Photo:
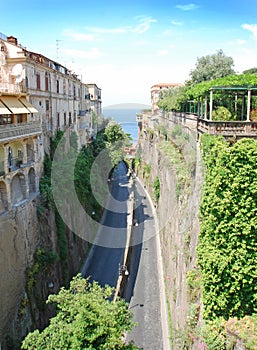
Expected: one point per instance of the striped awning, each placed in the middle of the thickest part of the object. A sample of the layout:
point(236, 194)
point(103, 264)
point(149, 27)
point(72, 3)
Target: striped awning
point(28, 105)
point(3, 109)
point(14, 104)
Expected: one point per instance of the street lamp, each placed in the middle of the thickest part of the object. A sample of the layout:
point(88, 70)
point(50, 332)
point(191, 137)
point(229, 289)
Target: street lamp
point(123, 270)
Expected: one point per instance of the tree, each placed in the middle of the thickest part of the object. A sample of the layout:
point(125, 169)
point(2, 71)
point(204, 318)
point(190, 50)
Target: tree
point(86, 319)
point(250, 71)
point(211, 67)
point(172, 98)
point(116, 140)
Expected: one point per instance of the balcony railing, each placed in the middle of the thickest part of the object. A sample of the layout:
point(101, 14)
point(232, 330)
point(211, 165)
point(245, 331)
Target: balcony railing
point(10, 88)
point(14, 164)
point(2, 170)
point(15, 131)
point(228, 128)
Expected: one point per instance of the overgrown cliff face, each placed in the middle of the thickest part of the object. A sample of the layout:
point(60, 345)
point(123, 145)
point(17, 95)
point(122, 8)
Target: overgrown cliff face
point(44, 241)
point(20, 235)
point(31, 268)
point(173, 158)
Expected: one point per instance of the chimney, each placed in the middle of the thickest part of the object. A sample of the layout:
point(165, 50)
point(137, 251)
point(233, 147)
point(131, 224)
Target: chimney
point(12, 40)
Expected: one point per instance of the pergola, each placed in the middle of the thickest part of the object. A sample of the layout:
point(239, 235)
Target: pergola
point(245, 90)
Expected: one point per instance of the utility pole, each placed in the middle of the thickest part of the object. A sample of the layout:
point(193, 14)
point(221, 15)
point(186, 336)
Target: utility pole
point(57, 48)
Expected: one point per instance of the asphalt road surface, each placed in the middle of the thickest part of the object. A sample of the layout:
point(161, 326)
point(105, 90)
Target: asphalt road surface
point(103, 265)
point(143, 288)
point(143, 285)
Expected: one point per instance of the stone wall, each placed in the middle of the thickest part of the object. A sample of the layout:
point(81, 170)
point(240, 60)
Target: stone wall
point(177, 209)
point(19, 238)
point(25, 286)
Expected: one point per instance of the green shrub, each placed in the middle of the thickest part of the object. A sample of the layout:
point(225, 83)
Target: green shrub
point(156, 188)
point(227, 246)
point(222, 114)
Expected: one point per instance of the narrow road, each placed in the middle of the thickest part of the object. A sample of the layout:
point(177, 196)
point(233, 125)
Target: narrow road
point(103, 264)
point(144, 290)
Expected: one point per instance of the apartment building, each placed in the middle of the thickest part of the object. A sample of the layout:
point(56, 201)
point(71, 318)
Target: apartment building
point(156, 91)
point(95, 98)
point(38, 96)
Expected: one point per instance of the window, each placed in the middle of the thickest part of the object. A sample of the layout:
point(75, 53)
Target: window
point(58, 121)
point(38, 81)
point(47, 82)
point(5, 119)
point(64, 87)
point(20, 154)
point(70, 121)
point(57, 86)
point(64, 117)
point(47, 105)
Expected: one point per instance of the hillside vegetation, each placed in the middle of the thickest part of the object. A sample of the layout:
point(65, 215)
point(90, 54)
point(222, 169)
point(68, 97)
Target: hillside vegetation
point(227, 249)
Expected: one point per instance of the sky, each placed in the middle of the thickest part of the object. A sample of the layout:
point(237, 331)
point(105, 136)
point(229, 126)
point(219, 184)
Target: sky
point(125, 47)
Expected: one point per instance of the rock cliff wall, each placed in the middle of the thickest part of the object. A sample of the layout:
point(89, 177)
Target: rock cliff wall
point(20, 235)
point(175, 161)
point(32, 268)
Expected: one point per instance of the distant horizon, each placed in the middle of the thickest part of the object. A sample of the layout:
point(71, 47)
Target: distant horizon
point(130, 105)
point(124, 112)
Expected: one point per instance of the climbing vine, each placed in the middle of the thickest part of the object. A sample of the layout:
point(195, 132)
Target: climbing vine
point(227, 249)
point(157, 188)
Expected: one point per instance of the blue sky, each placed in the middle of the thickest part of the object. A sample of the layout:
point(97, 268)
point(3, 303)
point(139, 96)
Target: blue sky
point(126, 47)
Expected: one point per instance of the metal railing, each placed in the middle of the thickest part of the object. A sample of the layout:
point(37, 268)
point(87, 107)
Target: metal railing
point(14, 131)
point(14, 164)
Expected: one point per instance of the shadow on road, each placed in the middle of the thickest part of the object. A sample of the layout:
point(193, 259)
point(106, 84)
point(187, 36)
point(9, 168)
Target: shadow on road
point(136, 246)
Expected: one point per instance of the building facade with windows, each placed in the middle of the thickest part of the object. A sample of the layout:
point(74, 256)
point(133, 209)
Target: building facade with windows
point(95, 98)
point(38, 97)
point(156, 91)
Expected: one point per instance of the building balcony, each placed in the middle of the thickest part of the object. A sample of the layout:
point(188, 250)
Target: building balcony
point(10, 88)
point(2, 168)
point(238, 129)
point(10, 132)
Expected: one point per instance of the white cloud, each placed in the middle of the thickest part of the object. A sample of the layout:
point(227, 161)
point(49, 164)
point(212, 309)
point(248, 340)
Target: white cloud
point(91, 53)
point(188, 7)
point(176, 23)
point(144, 25)
point(78, 36)
point(162, 52)
point(140, 43)
point(236, 42)
point(169, 32)
point(101, 30)
point(252, 28)
point(241, 63)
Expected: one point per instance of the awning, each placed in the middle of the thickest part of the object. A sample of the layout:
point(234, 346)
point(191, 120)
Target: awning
point(28, 105)
point(14, 104)
point(3, 109)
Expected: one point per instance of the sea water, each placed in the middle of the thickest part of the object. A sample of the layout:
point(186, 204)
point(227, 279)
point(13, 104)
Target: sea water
point(126, 118)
